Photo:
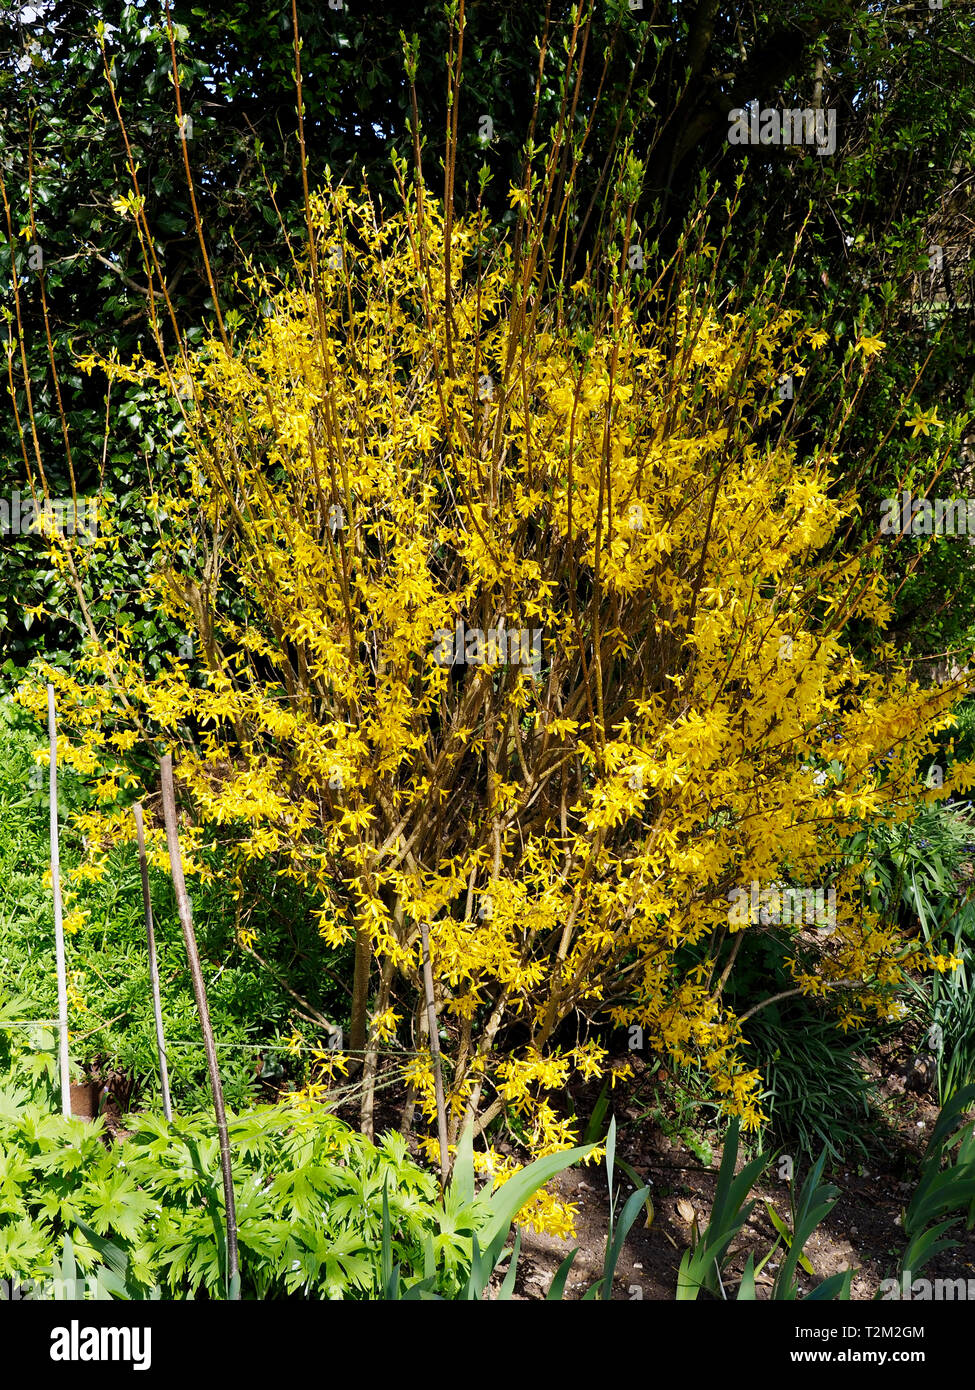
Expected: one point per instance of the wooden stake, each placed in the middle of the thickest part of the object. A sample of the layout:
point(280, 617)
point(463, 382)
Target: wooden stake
point(199, 989)
point(52, 731)
point(435, 1051)
point(153, 966)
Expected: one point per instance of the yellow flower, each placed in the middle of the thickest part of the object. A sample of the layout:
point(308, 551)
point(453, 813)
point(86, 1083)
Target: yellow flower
point(921, 422)
point(75, 920)
point(869, 345)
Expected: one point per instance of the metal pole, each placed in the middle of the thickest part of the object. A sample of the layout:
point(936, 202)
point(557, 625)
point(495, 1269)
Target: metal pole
point(52, 731)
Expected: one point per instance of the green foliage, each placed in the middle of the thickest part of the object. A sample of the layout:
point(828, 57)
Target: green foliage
point(64, 1281)
point(951, 1018)
point(490, 1252)
point(920, 869)
point(110, 1013)
point(945, 1010)
point(942, 1195)
point(310, 1195)
point(321, 1211)
point(817, 1095)
point(942, 1190)
point(505, 1203)
point(618, 1229)
point(810, 1208)
point(912, 865)
point(700, 1266)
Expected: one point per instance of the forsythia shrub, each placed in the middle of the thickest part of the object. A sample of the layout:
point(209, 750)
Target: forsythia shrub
point(515, 612)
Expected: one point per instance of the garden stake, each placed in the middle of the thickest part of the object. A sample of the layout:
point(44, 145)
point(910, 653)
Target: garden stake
point(153, 965)
point(435, 1050)
point(52, 730)
point(199, 989)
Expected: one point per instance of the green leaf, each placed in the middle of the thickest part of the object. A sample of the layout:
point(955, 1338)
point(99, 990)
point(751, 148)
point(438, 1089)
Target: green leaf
point(786, 1235)
point(556, 1289)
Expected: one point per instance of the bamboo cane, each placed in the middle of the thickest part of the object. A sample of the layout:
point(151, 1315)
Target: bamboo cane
point(199, 989)
point(52, 730)
point(153, 965)
point(435, 1051)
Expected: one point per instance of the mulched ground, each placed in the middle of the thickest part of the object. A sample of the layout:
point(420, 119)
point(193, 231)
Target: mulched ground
point(862, 1232)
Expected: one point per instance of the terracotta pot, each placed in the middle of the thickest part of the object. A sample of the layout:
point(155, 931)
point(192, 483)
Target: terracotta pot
point(84, 1100)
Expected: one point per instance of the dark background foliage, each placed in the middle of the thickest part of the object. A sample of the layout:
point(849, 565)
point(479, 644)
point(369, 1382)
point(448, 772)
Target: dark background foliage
point(900, 79)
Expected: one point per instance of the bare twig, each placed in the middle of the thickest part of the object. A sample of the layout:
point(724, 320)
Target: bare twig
point(52, 730)
point(199, 989)
point(435, 1051)
point(153, 965)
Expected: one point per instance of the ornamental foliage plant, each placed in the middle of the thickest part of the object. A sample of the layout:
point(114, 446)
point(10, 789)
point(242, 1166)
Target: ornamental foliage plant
point(310, 1197)
point(514, 611)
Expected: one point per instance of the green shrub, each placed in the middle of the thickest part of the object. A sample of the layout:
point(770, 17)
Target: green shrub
point(912, 866)
point(321, 1211)
point(916, 870)
point(946, 1189)
point(309, 1198)
point(817, 1095)
point(110, 1014)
